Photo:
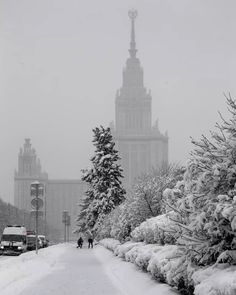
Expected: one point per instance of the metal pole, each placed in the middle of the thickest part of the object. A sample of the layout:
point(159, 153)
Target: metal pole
point(36, 216)
point(24, 219)
point(64, 220)
point(45, 211)
point(65, 234)
point(68, 226)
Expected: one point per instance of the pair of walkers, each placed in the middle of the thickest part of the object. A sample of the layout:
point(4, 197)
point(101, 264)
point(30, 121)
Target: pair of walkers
point(81, 241)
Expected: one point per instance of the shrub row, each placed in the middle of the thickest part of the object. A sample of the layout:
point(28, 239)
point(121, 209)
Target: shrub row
point(166, 264)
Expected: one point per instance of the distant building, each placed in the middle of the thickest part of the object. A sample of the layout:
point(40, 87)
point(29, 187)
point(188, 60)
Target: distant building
point(63, 195)
point(59, 195)
point(141, 145)
point(29, 170)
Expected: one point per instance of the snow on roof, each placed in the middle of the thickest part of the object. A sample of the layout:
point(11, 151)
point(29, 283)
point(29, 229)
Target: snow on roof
point(14, 230)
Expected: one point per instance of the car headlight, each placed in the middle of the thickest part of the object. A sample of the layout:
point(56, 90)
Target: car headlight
point(19, 248)
point(1, 247)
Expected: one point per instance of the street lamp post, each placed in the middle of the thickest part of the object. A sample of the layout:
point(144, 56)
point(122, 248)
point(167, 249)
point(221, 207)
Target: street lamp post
point(36, 191)
point(45, 212)
point(66, 221)
point(68, 227)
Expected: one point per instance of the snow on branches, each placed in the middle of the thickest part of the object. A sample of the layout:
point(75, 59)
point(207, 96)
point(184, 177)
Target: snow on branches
point(143, 202)
point(205, 206)
point(105, 190)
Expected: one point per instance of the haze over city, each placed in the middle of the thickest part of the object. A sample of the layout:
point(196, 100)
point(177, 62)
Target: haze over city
point(61, 64)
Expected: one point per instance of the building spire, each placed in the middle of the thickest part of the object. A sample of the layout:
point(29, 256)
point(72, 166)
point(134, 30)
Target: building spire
point(132, 15)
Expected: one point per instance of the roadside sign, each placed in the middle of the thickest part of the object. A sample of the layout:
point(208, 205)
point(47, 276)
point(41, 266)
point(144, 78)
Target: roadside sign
point(36, 189)
point(64, 216)
point(36, 203)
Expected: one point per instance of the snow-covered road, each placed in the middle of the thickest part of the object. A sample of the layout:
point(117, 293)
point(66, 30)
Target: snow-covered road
point(76, 271)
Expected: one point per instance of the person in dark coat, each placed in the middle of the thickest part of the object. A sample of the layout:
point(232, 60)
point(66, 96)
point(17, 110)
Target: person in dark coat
point(80, 242)
point(90, 242)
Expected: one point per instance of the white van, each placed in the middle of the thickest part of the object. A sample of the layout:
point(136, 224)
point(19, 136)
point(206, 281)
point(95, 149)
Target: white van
point(14, 240)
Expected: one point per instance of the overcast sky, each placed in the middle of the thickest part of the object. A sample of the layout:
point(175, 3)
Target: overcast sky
point(61, 63)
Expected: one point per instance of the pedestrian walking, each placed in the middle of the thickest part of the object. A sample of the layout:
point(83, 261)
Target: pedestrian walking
point(89, 235)
point(90, 242)
point(80, 242)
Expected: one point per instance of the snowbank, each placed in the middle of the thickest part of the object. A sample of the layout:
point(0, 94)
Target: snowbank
point(30, 268)
point(126, 277)
point(215, 280)
point(167, 264)
point(152, 258)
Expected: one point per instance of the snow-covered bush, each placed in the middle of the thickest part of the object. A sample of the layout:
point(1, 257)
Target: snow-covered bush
point(132, 254)
point(104, 230)
point(121, 226)
point(160, 261)
point(168, 264)
point(145, 201)
point(117, 223)
point(158, 229)
point(110, 244)
point(122, 249)
point(215, 280)
point(144, 255)
point(147, 193)
point(163, 262)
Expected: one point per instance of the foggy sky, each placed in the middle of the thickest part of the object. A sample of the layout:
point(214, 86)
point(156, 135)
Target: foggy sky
point(61, 63)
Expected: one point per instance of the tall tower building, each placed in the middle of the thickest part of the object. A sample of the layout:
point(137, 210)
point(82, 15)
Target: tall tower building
point(141, 145)
point(29, 170)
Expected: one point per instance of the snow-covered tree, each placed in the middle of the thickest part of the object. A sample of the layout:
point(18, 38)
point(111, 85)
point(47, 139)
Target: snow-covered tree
point(105, 190)
point(205, 202)
point(116, 224)
point(147, 194)
point(143, 202)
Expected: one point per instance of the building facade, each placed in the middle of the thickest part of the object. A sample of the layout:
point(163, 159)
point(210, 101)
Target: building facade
point(59, 195)
point(63, 194)
point(141, 145)
point(29, 170)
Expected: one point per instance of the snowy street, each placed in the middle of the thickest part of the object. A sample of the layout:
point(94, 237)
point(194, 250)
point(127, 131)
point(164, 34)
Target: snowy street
point(64, 269)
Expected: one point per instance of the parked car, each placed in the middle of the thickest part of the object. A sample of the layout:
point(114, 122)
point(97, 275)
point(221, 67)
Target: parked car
point(31, 242)
point(14, 240)
point(44, 241)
